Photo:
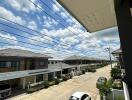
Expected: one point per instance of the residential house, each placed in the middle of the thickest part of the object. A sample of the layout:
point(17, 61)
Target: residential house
point(21, 67)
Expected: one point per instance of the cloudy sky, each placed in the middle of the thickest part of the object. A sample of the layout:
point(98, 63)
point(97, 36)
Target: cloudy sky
point(44, 26)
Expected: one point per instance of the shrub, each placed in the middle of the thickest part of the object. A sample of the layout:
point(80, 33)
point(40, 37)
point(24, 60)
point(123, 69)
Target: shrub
point(46, 84)
point(57, 81)
point(64, 78)
point(51, 83)
point(104, 89)
point(109, 83)
point(31, 90)
point(101, 82)
point(35, 88)
point(91, 70)
point(117, 84)
point(116, 73)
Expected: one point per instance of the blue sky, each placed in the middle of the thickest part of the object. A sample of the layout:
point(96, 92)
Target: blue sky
point(56, 34)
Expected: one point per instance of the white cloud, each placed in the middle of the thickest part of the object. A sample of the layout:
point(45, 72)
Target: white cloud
point(64, 15)
point(23, 5)
point(16, 47)
point(39, 19)
point(69, 20)
point(70, 40)
point(8, 38)
point(10, 16)
point(56, 7)
point(32, 25)
point(67, 38)
point(40, 39)
point(107, 34)
point(96, 43)
point(49, 22)
point(70, 31)
point(58, 54)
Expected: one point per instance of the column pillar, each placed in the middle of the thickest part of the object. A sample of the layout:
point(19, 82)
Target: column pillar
point(124, 22)
point(23, 83)
point(54, 74)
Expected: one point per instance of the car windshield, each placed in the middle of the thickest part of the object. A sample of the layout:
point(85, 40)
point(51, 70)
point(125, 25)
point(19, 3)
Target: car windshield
point(73, 98)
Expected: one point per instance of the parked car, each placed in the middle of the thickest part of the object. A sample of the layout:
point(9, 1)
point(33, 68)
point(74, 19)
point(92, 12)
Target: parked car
point(101, 81)
point(80, 96)
point(5, 90)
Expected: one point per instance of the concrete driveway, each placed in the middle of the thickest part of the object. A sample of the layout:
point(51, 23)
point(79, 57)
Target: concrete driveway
point(64, 90)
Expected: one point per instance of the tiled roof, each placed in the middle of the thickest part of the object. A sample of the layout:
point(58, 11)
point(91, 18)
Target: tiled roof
point(21, 53)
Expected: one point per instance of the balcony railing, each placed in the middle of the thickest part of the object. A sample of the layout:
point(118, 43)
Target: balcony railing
point(126, 93)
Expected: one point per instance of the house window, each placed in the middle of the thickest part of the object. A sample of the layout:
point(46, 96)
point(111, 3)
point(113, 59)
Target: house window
point(8, 64)
point(3, 64)
point(39, 78)
point(41, 63)
point(15, 64)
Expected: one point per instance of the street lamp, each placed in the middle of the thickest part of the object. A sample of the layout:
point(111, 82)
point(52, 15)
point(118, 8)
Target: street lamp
point(108, 49)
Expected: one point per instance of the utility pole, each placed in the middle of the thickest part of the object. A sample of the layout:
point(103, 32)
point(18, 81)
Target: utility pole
point(109, 51)
point(61, 69)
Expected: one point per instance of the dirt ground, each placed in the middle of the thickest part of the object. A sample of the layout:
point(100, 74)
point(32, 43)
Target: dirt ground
point(64, 90)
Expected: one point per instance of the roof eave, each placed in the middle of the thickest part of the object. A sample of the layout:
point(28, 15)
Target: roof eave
point(73, 15)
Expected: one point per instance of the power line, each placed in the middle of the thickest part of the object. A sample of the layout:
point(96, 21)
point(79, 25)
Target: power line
point(20, 41)
point(22, 36)
point(25, 36)
point(24, 43)
point(25, 46)
point(64, 44)
point(53, 18)
point(41, 1)
point(26, 28)
point(52, 9)
point(27, 42)
point(63, 10)
point(43, 10)
point(27, 32)
point(20, 46)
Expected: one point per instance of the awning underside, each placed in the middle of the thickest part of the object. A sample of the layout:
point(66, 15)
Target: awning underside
point(20, 74)
point(94, 15)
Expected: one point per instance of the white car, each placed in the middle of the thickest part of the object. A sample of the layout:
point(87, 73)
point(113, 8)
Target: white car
point(80, 96)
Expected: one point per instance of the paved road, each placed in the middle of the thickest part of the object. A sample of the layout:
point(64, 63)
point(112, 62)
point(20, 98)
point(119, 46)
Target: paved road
point(62, 91)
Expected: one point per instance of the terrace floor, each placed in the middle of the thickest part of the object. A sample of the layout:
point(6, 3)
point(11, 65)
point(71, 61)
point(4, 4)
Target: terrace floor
point(64, 90)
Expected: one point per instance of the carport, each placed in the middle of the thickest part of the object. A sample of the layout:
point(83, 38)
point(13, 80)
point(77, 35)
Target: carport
point(20, 77)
